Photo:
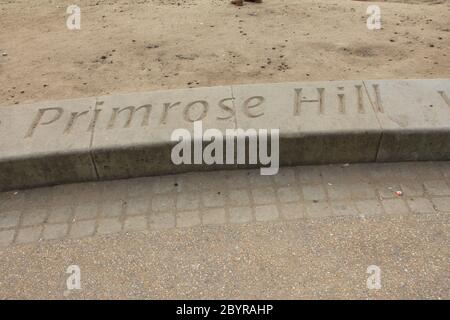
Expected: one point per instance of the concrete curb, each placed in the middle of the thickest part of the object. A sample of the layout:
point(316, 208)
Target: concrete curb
point(128, 135)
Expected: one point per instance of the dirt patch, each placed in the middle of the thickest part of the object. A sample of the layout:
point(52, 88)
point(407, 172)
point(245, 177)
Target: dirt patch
point(127, 46)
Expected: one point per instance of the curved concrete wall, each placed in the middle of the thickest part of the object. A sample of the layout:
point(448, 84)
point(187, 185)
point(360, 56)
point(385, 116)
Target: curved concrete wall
point(128, 135)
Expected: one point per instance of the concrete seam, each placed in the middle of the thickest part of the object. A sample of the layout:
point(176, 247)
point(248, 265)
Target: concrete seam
point(378, 120)
point(234, 107)
point(377, 156)
point(91, 155)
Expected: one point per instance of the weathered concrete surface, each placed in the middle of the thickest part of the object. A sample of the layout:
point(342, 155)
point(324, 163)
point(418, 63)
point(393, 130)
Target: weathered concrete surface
point(43, 143)
point(128, 144)
point(415, 117)
point(128, 135)
point(319, 122)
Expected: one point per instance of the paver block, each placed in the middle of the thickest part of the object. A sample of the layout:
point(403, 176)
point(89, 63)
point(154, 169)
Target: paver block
point(34, 216)
point(138, 206)
point(395, 206)
point(412, 188)
point(238, 197)
point(285, 177)
point(188, 201)
point(339, 191)
point(6, 237)
point(291, 211)
point(80, 229)
point(163, 202)
point(9, 219)
point(59, 214)
point(216, 216)
point(240, 214)
point(266, 213)
point(369, 207)
point(111, 208)
point(109, 225)
point(442, 204)
point(31, 234)
point(344, 208)
point(420, 205)
point(213, 199)
point(162, 220)
point(264, 195)
point(85, 212)
point(313, 192)
point(318, 209)
point(135, 223)
point(55, 231)
point(188, 219)
point(437, 188)
point(288, 194)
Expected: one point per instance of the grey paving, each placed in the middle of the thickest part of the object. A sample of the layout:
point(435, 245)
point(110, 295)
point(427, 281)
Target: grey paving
point(224, 198)
point(292, 245)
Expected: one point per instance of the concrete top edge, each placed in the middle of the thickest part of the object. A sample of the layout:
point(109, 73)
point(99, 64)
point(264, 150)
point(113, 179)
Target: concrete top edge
point(158, 91)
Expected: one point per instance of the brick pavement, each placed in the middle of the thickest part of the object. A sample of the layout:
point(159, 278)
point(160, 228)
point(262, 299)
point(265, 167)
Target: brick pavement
point(223, 197)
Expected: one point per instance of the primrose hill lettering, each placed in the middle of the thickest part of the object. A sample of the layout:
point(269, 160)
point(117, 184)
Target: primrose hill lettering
point(197, 110)
point(125, 117)
point(331, 100)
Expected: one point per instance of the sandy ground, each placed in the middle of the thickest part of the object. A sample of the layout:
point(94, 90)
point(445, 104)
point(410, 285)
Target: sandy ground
point(312, 259)
point(140, 45)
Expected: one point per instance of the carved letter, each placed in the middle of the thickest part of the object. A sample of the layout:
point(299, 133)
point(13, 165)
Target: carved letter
point(36, 121)
point(341, 97)
point(167, 106)
point(131, 111)
point(378, 105)
point(247, 107)
point(444, 96)
point(223, 106)
point(73, 117)
point(298, 101)
point(94, 120)
point(360, 99)
point(202, 115)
